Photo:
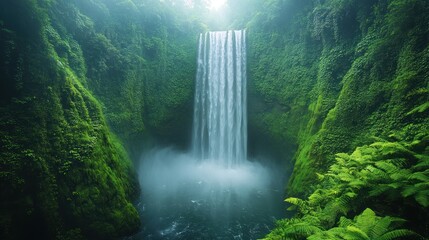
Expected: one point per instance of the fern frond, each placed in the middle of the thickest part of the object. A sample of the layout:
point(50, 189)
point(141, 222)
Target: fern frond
point(395, 185)
point(345, 222)
point(386, 166)
point(413, 189)
point(399, 233)
point(376, 172)
point(326, 235)
point(320, 177)
point(343, 156)
point(318, 197)
point(422, 198)
point(396, 220)
point(300, 230)
point(422, 176)
point(297, 204)
point(342, 233)
point(345, 177)
point(295, 201)
point(357, 184)
point(380, 227)
point(423, 163)
point(392, 150)
point(351, 194)
point(401, 175)
point(344, 204)
point(366, 220)
point(356, 233)
point(399, 162)
point(292, 208)
point(312, 220)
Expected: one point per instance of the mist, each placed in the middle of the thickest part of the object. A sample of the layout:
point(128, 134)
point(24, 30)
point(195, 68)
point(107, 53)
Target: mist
point(185, 197)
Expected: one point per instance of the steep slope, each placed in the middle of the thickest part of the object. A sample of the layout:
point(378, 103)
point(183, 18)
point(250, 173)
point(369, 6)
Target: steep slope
point(328, 77)
point(63, 173)
point(344, 86)
point(138, 60)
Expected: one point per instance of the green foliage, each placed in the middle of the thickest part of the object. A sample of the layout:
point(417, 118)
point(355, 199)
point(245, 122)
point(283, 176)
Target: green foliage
point(371, 176)
point(137, 57)
point(363, 227)
point(366, 226)
point(63, 173)
point(327, 75)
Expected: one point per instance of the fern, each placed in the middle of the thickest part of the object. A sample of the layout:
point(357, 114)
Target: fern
point(414, 189)
point(301, 229)
point(387, 166)
point(422, 198)
point(423, 163)
point(298, 204)
point(366, 220)
point(365, 226)
point(294, 229)
point(401, 175)
point(357, 233)
point(394, 170)
point(345, 222)
point(421, 176)
point(380, 227)
point(400, 233)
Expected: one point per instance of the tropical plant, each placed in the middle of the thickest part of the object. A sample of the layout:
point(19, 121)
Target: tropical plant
point(384, 171)
point(366, 226)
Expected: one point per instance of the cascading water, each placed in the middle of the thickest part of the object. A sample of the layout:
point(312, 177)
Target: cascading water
point(220, 115)
point(213, 192)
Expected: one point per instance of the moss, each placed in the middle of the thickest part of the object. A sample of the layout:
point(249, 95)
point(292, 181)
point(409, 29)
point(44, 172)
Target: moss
point(64, 174)
point(136, 60)
point(334, 74)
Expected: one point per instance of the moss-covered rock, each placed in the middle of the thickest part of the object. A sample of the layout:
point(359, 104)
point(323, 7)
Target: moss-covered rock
point(334, 73)
point(64, 175)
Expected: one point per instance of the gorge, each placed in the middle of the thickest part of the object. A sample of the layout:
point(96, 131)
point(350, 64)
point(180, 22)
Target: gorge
point(141, 119)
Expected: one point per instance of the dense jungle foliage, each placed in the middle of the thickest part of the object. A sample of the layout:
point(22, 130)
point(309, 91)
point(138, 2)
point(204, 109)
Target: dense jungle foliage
point(338, 89)
point(66, 68)
point(345, 83)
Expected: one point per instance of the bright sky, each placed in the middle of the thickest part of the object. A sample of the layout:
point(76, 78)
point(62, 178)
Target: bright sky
point(216, 4)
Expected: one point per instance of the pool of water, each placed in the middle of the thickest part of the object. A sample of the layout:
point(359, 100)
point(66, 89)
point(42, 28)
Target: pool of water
point(187, 198)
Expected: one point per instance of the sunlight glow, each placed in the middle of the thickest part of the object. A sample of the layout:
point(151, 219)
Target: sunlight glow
point(216, 4)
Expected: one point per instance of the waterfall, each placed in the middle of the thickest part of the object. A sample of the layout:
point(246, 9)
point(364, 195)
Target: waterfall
point(220, 111)
point(212, 192)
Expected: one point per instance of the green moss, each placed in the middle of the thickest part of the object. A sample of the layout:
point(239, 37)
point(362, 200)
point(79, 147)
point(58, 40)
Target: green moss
point(330, 77)
point(64, 175)
point(333, 74)
point(136, 60)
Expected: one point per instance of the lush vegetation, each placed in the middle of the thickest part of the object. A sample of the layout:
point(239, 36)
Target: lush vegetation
point(330, 77)
point(138, 59)
point(391, 177)
point(63, 174)
point(339, 88)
